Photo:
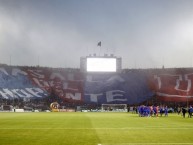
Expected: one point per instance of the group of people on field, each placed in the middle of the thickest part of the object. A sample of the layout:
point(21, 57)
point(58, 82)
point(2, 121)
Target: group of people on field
point(149, 111)
point(186, 110)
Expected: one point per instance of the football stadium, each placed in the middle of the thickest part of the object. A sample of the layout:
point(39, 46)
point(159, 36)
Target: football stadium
point(113, 106)
point(132, 85)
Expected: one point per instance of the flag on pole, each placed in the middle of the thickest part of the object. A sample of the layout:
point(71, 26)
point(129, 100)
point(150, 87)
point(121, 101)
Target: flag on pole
point(99, 44)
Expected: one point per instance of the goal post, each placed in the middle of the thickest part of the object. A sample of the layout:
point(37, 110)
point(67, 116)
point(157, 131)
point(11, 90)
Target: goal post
point(114, 107)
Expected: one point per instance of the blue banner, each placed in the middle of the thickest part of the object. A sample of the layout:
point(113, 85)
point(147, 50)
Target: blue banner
point(127, 88)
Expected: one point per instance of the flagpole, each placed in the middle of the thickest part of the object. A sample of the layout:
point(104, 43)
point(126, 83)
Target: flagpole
point(99, 44)
point(100, 51)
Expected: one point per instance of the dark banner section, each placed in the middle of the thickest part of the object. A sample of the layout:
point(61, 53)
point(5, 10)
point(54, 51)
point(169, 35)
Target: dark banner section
point(61, 85)
point(125, 88)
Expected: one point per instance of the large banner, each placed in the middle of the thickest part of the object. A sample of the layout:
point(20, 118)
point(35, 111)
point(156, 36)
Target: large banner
point(66, 85)
point(14, 83)
point(173, 87)
point(71, 86)
point(27, 83)
point(126, 88)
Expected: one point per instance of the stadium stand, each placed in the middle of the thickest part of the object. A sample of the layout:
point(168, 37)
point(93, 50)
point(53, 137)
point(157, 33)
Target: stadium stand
point(36, 87)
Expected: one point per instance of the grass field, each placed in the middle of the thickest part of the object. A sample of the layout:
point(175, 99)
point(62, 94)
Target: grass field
point(92, 128)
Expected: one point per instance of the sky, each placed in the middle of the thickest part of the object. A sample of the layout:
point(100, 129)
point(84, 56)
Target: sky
point(56, 33)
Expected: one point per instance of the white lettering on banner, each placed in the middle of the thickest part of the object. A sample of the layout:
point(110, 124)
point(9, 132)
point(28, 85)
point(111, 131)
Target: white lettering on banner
point(187, 80)
point(114, 93)
point(178, 80)
point(94, 97)
point(16, 93)
point(6, 93)
point(21, 93)
point(51, 83)
point(4, 71)
point(46, 84)
point(35, 91)
point(57, 75)
point(38, 78)
point(26, 93)
point(61, 82)
point(77, 96)
point(158, 81)
point(37, 74)
point(37, 82)
point(16, 71)
point(110, 96)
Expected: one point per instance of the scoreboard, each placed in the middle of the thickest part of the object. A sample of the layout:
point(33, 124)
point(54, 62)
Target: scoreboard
point(100, 64)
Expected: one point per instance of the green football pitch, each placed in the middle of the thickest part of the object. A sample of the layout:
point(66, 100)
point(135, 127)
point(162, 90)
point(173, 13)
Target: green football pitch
point(94, 128)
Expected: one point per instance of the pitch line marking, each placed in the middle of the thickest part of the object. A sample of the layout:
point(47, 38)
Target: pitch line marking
point(133, 128)
point(149, 144)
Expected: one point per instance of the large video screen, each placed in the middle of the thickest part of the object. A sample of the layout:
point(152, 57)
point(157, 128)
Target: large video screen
point(101, 65)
